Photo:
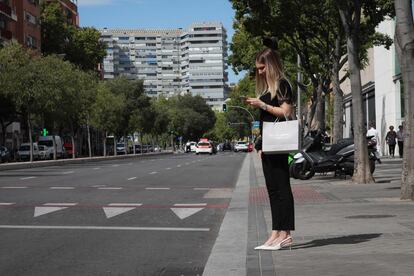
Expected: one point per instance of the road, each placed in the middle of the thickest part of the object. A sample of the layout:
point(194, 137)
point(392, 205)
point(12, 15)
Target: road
point(153, 216)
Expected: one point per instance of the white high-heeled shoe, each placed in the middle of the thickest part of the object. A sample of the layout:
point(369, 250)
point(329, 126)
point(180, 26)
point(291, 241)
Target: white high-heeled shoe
point(277, 246)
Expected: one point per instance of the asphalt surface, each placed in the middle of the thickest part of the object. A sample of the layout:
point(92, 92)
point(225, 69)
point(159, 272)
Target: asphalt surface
point(154, 216)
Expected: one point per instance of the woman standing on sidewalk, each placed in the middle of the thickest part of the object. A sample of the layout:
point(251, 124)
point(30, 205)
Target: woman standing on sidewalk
point(274, 98)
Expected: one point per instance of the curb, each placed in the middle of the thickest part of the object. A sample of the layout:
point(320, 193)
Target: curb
point(62, 162)
point(228, 256)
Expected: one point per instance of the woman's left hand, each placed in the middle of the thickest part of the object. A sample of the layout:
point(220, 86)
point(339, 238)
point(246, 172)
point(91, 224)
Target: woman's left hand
point(254, 102)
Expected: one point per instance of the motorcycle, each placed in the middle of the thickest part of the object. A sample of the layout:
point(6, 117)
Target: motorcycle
point(314, 158)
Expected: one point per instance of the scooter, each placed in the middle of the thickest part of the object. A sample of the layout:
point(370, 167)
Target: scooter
point(314, 159)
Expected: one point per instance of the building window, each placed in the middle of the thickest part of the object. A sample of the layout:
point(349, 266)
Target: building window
point(30, 18)
point(31, 42)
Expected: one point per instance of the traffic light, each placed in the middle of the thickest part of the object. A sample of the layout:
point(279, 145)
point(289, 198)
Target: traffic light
point(224, 107)
point(45, 132)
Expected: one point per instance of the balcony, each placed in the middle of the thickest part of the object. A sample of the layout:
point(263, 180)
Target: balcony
point(5, 8)
point(6, 34)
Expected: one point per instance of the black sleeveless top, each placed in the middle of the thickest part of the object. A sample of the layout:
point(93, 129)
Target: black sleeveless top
point(284, 95)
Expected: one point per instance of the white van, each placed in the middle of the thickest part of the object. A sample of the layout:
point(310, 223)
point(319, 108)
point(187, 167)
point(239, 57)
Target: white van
point(24, 152)
point(48, 142)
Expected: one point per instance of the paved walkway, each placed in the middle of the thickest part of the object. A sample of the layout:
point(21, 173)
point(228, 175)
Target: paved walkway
point(341, 228)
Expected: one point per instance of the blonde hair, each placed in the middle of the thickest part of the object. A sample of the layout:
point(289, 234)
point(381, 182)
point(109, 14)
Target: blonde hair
point(274, 73)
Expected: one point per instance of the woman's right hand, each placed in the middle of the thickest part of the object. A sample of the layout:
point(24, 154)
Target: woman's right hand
point(259, 152)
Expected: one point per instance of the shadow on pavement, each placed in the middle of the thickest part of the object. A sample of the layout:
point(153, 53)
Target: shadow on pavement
point(352, 239)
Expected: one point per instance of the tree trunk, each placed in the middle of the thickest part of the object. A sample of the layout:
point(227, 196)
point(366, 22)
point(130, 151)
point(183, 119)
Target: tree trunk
point(73, 146)
point(89, 139)
point(338, 129)
point(362, 173)
point(404, 44)
point(54, 147)
point(318, 120)
point(115, 145)
point(104, 143)
point(29, 126)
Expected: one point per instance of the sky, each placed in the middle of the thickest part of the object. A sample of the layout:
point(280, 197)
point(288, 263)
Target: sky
point(157, 14)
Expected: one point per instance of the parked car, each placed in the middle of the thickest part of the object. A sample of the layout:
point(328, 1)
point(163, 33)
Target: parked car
point(226, 146)
point(24, 152)
point(48, 142)
point(240, 146)
point(190, 146)
point(43, 152)
point(5, 155)
point(120, 148)
point(68, 150)
point(204, 147)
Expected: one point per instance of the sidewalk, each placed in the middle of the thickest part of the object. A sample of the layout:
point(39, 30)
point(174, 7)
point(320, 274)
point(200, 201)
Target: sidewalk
point(341, 228)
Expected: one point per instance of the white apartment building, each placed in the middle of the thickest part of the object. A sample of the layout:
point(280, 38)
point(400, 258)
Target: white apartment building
point(382, 90)
point(171, 61)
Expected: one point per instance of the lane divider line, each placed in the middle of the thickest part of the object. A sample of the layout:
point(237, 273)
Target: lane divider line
point(110, 188)
point(52, 227)
point(26, 178)
point(15, 187)
point(149, 188)
point(132, 178)
point(153, 172)
point(69, 172)
point(62, 188)
point(6, 203)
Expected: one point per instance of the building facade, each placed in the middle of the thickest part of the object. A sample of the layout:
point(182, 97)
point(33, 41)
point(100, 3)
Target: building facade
point(382, 90)
point(172, 61)
point(20, 22)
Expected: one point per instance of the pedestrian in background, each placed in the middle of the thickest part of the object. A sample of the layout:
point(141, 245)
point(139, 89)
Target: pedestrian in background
point(391, 139)
point(372, 132)
point(274, 98)
point(400, 140)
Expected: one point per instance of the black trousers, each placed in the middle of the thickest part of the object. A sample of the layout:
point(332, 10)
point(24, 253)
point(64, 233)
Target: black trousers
point(401, 148)
point(276, 173)
point(392, 149)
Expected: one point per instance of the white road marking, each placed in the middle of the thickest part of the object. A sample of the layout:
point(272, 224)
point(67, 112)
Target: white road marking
point(30, 177)
point(14, 187)
point(187, 164)
point(153, 172)
point(115, 165)
point(178, 166)
point(6, 203)
point(103, 228)
point(51, 207)
point(183, 213)
point(149, 188)
point(201, 189)
point(62, 188)
point(69, 172)
point(132, 178)
point(110, 188)
point(97, 186)
point(96, 168)
point(115, 211)
point(168, 168)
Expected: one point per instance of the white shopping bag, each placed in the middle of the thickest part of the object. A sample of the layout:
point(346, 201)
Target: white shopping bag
point(280, 137)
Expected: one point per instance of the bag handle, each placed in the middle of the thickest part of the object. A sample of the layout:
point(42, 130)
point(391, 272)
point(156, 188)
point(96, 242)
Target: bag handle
point(277, 118)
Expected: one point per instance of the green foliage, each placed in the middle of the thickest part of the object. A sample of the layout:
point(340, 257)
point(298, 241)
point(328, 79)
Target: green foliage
point(81, 46)
point(189, 116)
point(85, 48)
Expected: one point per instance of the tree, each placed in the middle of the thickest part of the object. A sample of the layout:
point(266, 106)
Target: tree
point(107, 112)
point(404, 44)
point(81, 46)
point(54, 28)
point(359, 19)
point(85, 48)
point(19, 79)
